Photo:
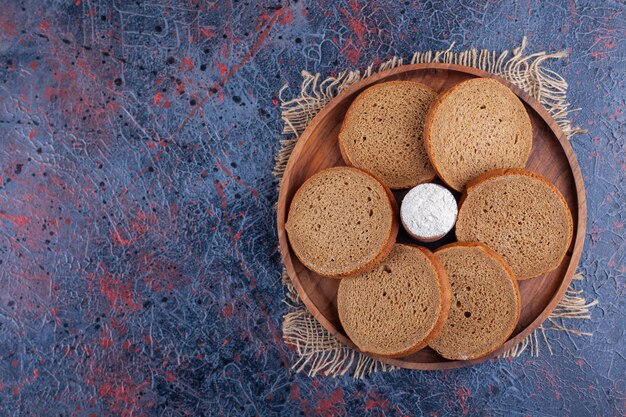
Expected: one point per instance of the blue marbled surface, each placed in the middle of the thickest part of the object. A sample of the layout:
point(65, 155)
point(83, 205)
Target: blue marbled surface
point(138, 267)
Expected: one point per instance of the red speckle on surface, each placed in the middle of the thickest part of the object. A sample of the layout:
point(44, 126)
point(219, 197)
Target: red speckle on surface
point(105, 342)
point(331, 406)
point(117, 292)
point(227, 310)
point(294, 394)
point(157, 99)
point(208, 32)
point(615, 115)
point(353, 46)
point(142, 222)
point(225, 51)
point(223, 68)
point(188, 63)
point(48, 93)
point(18, 220)
point(234, 178)
point(463, 394)
point(8, 30)
point(374, 401)
point(119, 240)
point(605, 42)
point(354, 5)
point(286, 18)
point(104, 389)
point(257, 45)
point(219, 187)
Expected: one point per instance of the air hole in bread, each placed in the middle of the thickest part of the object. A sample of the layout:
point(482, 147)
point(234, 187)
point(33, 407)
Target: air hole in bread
point(467, 314)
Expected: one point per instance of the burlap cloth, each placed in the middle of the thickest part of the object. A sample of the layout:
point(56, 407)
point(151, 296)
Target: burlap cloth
point(317, 351)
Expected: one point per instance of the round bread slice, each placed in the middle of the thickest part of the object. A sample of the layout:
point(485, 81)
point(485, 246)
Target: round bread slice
point(521, 216)
point(485, 304)
point(474, 127)
point(398, 307)
point(382, 133)
point(342, 221)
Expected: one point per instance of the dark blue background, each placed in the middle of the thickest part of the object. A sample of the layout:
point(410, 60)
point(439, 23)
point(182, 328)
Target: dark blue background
point(138, 267)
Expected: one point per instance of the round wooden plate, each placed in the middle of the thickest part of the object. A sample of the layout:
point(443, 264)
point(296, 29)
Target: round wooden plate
point(552, 157)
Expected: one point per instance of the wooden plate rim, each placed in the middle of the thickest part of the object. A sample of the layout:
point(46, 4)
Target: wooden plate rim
point(580, 196)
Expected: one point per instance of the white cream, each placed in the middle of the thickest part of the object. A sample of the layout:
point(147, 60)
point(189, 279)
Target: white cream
point(428, 212)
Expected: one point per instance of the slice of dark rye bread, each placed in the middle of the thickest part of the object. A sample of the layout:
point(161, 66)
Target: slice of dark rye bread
point(474, 127)
point(382, 133)
point(342, 221)
point(398, 307)
point(521, 216)
point(485, 304)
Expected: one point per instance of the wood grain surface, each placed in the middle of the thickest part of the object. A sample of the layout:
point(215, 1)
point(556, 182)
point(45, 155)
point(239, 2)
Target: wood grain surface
point(552, 157)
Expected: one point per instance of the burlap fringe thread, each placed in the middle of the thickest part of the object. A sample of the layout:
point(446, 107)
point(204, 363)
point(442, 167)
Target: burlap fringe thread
point(318, 351)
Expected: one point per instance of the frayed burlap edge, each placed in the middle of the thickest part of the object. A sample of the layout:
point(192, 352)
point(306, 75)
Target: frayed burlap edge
point(318, 351)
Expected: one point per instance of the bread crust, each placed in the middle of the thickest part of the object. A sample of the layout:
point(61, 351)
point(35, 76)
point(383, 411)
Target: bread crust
point(520, 171)
point(513, 279)
point(391, 235)
point(428, 129)
point(445, 298)
point(427, 133)
point(342, 134)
